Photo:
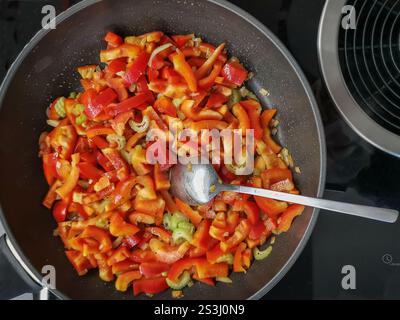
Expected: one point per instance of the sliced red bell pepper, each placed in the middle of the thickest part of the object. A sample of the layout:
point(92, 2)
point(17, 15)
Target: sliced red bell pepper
point(249, 208)
point(79, 262)
point(125, 279)
point(241, 114)
point(121, 194)
point(63, 139)
point(117, 84)
point(208, 81)
point(168, 253)
point(120, 254)
point(137, 69)
point(241, 232)
point(132, 241)
point(100, 235)
point(116, 66)
point(117, 161)
point(124, 266)
point(102, 100)
point(65, 190)
point(99, 130)
point(237, 259)
point(113, 39)
point(234, 72)
point(150, 286)
point(163, 234)
point(274, 175)
point(257, 230)
point(120, 228)
point(161, 178)
point(169, 202)
point(216, 100)
point(140, 256)
point(193, 215)
point(49, 167)
point(131, 103)
point(88, 171)
point(286, 219)
point(182, 39)
point(184, 69)
point(201, 238)
point(207, 66)
point(253, 109)
point(165, 105)
point(153, 269)
point(142, 85)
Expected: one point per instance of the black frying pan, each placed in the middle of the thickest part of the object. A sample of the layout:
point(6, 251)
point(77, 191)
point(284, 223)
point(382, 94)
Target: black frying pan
point(45, 69)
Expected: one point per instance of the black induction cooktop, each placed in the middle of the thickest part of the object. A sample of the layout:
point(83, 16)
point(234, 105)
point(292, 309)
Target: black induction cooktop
point(356, 171)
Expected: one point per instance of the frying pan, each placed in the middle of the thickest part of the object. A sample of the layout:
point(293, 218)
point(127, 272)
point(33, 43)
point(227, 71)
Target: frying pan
point(45, 69)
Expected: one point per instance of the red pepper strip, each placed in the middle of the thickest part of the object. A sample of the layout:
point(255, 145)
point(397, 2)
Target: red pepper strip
point(142, 85)
point(208, 81)
point(60, 211)
point(274, 175)
point(89, 171)
point(241, 232)
point(253, 109)
point(49, 167)
point(100, 235)
point(51, 195)
point(131, 103)
point(118, 255)
point(163, 234)
point(208, 124)
point(120, 228)
point(215, 254)
point(204, 269)
point(105, 271)
point(167, 253)
point(116, 66)
point(257, 230)
point(165, 105)
point(79, 262)
point(99, 130)
point(137, 69)
point(193, 215)
point(285, 220)
point(208, 281)
point(139, 217)
point(140, 256)
point(150, 286)
point(266, 117)
point(155, 208)
point(132, 241)
point(196, 252)
point(99, 142)
point(117, 84)
point(63, 139)
point(104, 162)
point(161, 178)
point(241, 114)
point(120, 121)
point(113, 39)
point(104, 98)
point(237, 260)
point(201, 238)
point(124, 280)
point(216, 100)
point(250, 209)
point(234, 72)
point(124, 266)
point(121, 194)
point(181, 40)
point(117, 161)
point(153, 269)
point(169, 202)
point(206, 67)
point(188, 109)
point(153, 115)
point(65, 190)
point(184, 69)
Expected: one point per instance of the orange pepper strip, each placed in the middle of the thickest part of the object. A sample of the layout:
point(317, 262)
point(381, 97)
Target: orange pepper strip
point(208, 124)
point(193, 215)
point(169, 202)
point(241, 114)
point(237, 260)
point(253, 109)
point(184, 69)
point(208, 81)
point(65, 190)
point(124, 280)
point(285, 220)
point(120, 228)
point(132, 141)
point(188, 109)
point(206, 67)
point(265, 119)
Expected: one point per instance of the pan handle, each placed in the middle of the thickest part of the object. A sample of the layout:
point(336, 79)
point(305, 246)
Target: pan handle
point(15, 282)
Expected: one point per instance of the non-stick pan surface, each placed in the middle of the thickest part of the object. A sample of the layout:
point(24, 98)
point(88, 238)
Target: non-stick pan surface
point(45, 69)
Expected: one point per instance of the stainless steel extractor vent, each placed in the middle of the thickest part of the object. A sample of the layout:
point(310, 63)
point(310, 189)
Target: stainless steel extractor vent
point(360, 63)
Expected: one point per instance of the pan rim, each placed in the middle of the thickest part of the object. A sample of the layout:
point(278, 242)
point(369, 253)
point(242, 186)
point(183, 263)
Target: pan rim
point(296, 68)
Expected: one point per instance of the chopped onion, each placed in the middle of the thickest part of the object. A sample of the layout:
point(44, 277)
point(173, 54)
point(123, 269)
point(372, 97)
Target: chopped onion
point(157, 51)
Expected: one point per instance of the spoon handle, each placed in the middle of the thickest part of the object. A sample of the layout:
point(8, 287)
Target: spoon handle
point(380, 214)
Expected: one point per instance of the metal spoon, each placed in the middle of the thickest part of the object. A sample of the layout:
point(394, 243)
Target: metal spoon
point(197, 184)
